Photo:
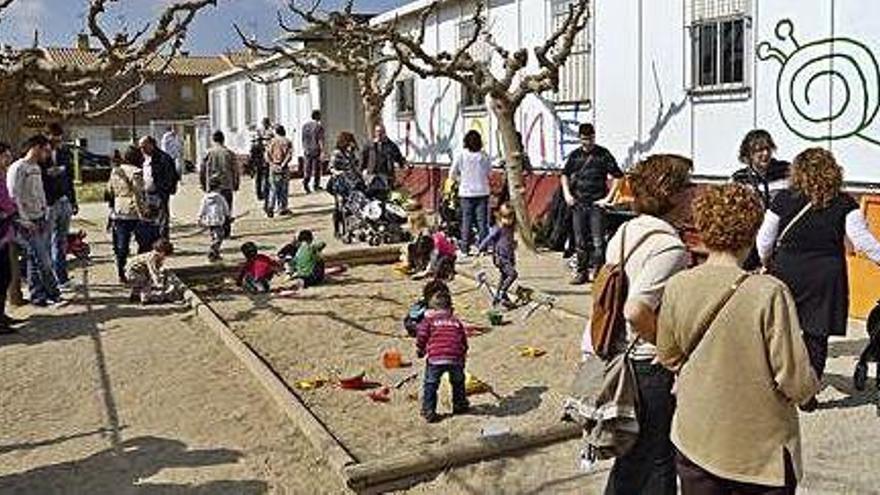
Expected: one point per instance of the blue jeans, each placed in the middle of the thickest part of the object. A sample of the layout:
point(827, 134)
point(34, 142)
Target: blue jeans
point(144, 233)
point(433, 374)
point(588, 225)
point(279, 188)
point(59, 224)
point(41, 279)
point(474, 210)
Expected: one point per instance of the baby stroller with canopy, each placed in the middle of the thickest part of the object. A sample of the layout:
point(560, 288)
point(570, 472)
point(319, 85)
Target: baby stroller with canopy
point(449, 211)
point(363, 212)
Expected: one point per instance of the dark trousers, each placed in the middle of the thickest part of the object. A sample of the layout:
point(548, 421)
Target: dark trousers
point(507, 268)
point(649, 468)
point(697, 481)
point(433, 374)
point(588, 225)
point(474, 211)
point(164, 219)
point(261, 182)
point(227, 227)
point(5, 275)
point(817, 350)
point(312, 172)
point(144, 233)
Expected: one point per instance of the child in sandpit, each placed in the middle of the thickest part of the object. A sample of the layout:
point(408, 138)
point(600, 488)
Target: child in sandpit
point(255, 275)
point(443, 340)
point(503, 242)
point(307, 265)
point(417, 310)
point(148, 282)
point(417, 254)
point(433, 254)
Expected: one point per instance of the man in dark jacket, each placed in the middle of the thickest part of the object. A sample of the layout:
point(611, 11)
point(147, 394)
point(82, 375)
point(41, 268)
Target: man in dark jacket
point(585, 188)
point(161, 178)
point(61, 199)
point(379, 158)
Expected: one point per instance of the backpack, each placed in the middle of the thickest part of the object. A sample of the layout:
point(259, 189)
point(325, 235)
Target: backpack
point(607, 324)
point(414, 316)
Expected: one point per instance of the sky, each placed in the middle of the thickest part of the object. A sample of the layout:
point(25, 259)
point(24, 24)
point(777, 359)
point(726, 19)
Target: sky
point(58, 21)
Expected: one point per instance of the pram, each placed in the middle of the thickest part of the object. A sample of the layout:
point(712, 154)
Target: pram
point(363, 213)
point(449, 211)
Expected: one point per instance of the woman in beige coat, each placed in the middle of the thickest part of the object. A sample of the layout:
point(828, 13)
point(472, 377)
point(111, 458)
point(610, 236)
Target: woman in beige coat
point(741, 363)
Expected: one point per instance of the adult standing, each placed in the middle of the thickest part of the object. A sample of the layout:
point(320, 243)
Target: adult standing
point(161, 179)
point(219, 172)
point(802, 243)
point(61, 198)
point(471, 169)
point(652, 252)
point(379, 158)
point(7, 233)
point(173, 146)
point(763, 173)
point(345, 167)
point(735, 426)
point(130, 213)
point(314, 146)
point(585, 189)
point(279, 154)
point(25, 183)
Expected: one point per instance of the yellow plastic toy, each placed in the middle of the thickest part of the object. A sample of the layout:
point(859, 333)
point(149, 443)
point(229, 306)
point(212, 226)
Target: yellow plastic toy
point(531, 352)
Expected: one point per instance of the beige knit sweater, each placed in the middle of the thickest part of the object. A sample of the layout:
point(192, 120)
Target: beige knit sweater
point(738, 392)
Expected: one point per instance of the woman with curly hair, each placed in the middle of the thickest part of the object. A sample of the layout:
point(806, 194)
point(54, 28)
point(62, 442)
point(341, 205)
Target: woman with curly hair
point(650, 251)
point(715, 318)
point(801, 241)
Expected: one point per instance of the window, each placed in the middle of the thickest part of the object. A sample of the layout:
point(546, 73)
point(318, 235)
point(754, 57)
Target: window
point(272, 101)
point(250, 97)
point(574, 75)
point(718, 44)
point(406, 97)
point(147, 93)
point(187, 93)
point(232, 108)
point(215, 109)
point(479, 51)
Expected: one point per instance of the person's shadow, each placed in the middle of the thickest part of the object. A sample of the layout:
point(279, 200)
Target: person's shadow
point(121, 470)
point(520, 402)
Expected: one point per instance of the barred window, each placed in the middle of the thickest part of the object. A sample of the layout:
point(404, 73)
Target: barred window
point(250, 97)
point(232, 108)
point(480, 50)
point(405, 97)
point(272, 101)
point(718, 43)
point(574, 75)
point(215, 109)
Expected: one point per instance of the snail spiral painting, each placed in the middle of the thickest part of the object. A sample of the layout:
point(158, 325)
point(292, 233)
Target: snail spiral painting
point(827, 89)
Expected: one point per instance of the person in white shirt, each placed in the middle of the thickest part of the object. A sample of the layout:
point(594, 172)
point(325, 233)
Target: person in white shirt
point(471, 170)
point(213, 214)
point(172, 145)
point(25, 183)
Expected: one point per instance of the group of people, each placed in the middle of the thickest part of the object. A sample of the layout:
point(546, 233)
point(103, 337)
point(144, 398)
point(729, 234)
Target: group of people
point(771, 292)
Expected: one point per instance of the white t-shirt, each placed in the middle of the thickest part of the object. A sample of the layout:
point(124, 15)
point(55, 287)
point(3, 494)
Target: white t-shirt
point(650, 266)
point(472, 171)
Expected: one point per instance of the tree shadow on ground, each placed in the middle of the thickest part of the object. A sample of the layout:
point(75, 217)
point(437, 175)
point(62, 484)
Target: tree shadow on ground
point(853, 397)
point(122, 471)
point(845, 348)
point(521, 402)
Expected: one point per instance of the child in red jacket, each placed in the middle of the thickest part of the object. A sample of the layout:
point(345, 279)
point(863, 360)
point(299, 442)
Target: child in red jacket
point(257, 271)
point(442, 338)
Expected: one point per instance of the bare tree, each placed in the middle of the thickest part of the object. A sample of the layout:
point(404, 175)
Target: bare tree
point(339, 43)
point(32, 83)
point(506, 84)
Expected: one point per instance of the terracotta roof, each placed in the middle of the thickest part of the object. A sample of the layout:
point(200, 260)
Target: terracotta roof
point(240, 58)
point(192, 66)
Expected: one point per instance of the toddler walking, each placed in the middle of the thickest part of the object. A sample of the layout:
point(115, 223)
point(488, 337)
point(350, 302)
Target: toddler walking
point(503, 242)
point(214, 214)
point(441, 337)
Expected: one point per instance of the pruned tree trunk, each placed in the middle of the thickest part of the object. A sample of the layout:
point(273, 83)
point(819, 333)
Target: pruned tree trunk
point(513, 159)
point(372, 114)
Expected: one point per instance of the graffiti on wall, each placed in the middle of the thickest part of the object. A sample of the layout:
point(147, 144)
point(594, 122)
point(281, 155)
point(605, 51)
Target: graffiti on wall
point(806, 78)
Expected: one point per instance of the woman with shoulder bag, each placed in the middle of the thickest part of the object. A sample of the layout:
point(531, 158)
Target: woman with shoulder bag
point(734, 341)
point(130, 213)
point(801, 242)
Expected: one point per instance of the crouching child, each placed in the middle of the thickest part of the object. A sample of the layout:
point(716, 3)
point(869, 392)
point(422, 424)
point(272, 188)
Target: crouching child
point(442, 340)
point(307, 265)
point(149, 284)
point(255, 274)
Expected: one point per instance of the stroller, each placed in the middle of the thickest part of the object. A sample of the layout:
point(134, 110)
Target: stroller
point(363, 213)
point(78, 247)
point(870, 353)
point(449, 211)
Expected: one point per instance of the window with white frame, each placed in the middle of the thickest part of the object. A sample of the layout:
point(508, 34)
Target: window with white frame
point(574, 75)
point(272, 101)
point(250, 100)
point(479, 51)
point(215, 109)
point(405, 96)
point(719, 37)
point(232, 108)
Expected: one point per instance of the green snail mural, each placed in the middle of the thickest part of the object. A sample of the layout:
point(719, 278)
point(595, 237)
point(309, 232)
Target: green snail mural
point(807, 78)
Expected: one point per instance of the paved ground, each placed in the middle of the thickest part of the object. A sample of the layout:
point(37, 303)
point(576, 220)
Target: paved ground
point(107, 397)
